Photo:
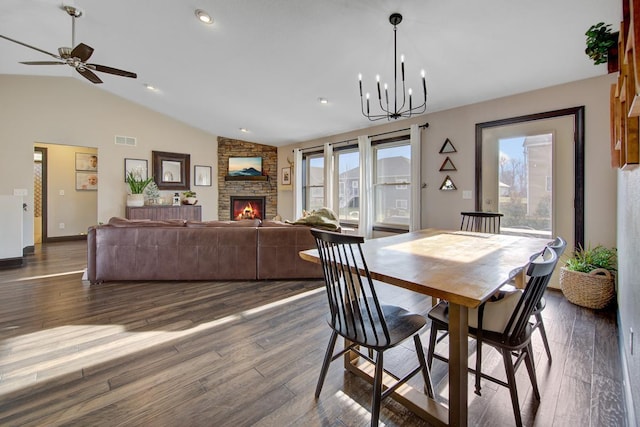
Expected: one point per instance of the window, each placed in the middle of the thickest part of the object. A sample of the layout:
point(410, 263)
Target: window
point(347, 162)
point(313, 189)
point(390, 181)
point(392, 165)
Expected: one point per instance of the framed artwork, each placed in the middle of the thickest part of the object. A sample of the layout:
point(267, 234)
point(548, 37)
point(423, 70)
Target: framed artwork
point(286, 176)
point(447, 184)
point(86, 181)
point(171, 170)
point(245, 166)
point(447, 147)
point(202, 176)
point(86, 162)
point(138, 167)
point(447, 165)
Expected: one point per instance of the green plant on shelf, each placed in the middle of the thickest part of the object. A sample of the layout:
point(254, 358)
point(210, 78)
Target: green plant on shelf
point(600, 39)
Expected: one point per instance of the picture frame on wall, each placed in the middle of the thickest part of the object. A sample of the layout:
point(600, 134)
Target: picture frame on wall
point(285, 176)
point(139, 167)
point(171, 171)
point(86, 181)
point(202, 176)
point(86, 162)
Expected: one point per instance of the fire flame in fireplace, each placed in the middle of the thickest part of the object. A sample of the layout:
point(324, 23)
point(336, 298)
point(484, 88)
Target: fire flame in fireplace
point(248, 212)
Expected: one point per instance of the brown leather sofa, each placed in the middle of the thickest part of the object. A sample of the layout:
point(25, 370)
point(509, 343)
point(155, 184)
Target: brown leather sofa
point(198, 250)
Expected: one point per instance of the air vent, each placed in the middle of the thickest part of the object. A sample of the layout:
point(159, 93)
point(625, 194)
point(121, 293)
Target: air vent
point(126, 140)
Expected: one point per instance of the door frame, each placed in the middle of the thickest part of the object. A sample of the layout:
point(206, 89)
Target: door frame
point(578, 138)
point(45, 191)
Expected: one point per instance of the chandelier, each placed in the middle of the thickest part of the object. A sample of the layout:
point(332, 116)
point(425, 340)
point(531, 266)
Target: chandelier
point(395, 111)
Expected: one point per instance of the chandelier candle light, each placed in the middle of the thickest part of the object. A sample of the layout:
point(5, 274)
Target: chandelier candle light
point(397, 112)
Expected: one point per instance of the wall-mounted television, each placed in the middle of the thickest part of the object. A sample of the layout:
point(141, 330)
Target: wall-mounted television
point(245, 166)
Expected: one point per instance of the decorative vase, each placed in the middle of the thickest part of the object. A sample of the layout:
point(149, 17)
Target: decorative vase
point(135, 200)
point(190, 201)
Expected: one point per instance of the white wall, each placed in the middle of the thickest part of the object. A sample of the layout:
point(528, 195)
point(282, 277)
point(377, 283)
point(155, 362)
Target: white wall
point(441, 209)
point(64, 110)
point(629, 276)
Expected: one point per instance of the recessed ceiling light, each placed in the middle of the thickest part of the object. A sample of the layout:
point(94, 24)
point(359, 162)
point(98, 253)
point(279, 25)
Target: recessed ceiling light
point(151, 87)
point(204, 16)
point(244, 130)
point(323, 100)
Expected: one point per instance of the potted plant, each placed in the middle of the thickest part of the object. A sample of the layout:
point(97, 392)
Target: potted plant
point(189, 197)
point(602, 45)
point(588, 277)
point(153, 194)
point(137, 185)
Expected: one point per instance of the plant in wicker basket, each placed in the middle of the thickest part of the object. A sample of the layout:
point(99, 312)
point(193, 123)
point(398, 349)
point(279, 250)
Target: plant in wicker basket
point(588, 278)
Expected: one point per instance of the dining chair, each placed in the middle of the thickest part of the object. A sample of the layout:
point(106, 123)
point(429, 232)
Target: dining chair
point(505, 325)
point(558, 245)
point(356, 314)
point(483, 222)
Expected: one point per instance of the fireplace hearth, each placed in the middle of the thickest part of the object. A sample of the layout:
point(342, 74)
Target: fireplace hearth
point(247, 207)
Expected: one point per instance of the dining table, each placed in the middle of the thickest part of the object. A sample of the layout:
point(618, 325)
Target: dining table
point(463, 268)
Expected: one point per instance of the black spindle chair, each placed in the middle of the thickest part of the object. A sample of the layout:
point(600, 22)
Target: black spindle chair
point(356, 315)
point(558, 245)
point(513, 339)
point(483, 222)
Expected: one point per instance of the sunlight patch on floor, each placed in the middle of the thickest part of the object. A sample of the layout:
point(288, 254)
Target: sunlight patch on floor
point(43, 355)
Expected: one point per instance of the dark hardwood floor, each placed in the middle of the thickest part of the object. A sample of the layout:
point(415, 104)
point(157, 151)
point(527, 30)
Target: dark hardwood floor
point(248, 354)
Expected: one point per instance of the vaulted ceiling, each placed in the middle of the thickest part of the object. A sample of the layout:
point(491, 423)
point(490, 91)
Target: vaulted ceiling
point(263, 64)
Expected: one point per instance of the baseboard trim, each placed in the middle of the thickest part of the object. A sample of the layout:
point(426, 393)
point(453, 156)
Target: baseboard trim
point(11, 262)
point(626, 381)
point(65, 238)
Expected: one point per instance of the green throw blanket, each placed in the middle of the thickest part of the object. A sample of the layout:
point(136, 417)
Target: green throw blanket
point(322, 218)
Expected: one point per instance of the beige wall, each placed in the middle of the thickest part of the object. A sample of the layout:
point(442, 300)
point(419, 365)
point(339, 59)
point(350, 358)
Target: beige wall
point(440, 208)
point(64, 110)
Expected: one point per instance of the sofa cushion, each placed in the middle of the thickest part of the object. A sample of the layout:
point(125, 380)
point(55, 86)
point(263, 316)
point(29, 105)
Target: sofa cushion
point(241, 223)
point(123, 222)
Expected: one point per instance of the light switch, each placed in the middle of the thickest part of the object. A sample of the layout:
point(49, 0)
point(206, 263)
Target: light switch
point(19, 191)
point(61, 192)
point(466, 194)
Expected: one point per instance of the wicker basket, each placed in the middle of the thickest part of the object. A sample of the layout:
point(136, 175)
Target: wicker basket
point(592, 290)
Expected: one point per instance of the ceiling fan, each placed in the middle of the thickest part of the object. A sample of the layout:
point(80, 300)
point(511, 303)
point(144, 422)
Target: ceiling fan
point(76, 57)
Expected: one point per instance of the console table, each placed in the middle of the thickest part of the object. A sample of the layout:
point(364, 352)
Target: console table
point(164, 212)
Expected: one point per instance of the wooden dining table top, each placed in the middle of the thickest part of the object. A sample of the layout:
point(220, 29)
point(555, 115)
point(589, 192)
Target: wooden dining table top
point(461, 267)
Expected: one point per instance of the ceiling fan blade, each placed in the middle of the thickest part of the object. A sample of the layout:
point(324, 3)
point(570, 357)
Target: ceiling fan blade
point(110, 70)
point(30, 47)
point(89, 75)
point(82, 52)
point(42, 63)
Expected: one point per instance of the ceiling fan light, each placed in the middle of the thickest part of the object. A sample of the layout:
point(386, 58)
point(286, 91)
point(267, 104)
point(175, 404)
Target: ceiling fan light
point(204, 16)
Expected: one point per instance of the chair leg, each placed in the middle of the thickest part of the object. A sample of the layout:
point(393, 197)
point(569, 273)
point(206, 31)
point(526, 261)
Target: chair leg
point(478, 366)
point(433, 335)
point(377, 390)
point(511, 381)
point(543, 332)
point(327, 361)
point(428, 386)
point(528, 360)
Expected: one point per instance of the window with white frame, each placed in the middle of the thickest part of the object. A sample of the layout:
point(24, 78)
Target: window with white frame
point(313, 177)
point(392, 183)
point(347, 161)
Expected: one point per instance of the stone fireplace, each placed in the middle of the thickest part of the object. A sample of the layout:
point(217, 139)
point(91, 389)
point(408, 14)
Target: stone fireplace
point(247, 207)
point(266, 186)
